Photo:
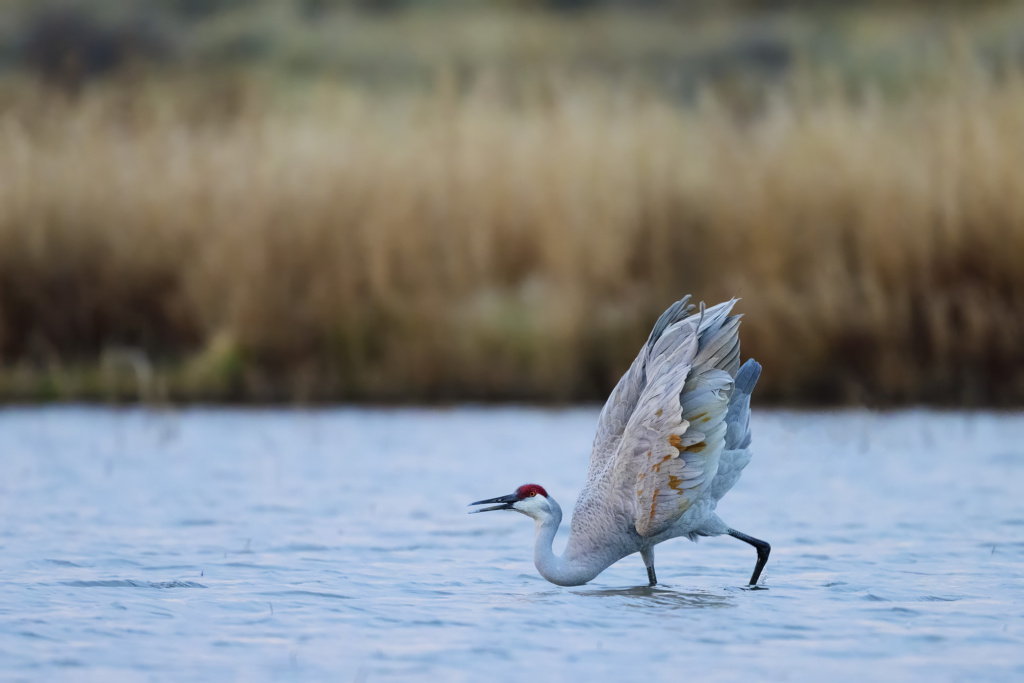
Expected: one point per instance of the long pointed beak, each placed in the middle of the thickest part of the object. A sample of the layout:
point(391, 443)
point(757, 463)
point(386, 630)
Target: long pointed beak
point(506, 503)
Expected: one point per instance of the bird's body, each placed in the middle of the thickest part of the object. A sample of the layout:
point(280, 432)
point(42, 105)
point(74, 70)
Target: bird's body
point(672, 439)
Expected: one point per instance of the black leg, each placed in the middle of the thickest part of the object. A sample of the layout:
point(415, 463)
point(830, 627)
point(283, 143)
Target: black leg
point(762, 552)
point(648, 555)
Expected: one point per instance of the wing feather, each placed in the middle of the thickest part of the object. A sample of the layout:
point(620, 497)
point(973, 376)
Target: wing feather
point(681, 466)
point(622, 401)
point(667, 428)
point(737, 454)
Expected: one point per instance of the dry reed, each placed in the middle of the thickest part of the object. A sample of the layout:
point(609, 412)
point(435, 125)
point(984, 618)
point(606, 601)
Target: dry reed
point(450, 246)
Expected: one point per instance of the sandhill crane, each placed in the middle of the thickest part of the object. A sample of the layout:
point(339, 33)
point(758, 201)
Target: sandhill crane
point(672, 439)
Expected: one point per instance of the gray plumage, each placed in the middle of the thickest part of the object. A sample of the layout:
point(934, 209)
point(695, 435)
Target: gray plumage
point(672, 439)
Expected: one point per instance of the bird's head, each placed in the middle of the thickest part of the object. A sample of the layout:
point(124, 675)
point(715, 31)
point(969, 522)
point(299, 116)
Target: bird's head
point(530, 499)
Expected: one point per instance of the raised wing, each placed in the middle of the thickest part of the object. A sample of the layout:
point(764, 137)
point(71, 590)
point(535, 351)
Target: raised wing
point(736, 455)
point(662, 430)
point(623, 399)
point(671, 448)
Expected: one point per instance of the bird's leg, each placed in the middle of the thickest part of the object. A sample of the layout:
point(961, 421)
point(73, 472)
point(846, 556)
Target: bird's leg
point(648, 555)
point(762, 552)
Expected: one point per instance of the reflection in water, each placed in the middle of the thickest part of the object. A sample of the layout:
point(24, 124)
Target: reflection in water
point(659, 597)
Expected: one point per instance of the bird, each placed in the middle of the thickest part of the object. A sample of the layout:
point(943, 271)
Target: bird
point(672, 439)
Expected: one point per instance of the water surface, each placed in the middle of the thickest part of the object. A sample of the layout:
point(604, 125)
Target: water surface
point(335, 545)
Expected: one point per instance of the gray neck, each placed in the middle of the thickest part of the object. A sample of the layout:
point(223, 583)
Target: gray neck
point(559, 570)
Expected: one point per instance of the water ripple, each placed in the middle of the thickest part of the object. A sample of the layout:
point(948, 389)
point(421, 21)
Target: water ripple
point(129, 583)
point(344, 551)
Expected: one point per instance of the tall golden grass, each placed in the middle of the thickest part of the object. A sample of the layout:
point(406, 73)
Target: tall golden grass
point(488, 245)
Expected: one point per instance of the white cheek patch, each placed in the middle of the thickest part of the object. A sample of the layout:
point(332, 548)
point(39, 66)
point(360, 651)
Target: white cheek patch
point(532, 506)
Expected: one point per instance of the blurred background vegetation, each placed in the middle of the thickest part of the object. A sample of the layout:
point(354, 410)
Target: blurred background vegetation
point(415, 200)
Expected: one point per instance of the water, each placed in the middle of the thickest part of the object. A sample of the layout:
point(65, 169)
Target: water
point(335, 545)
